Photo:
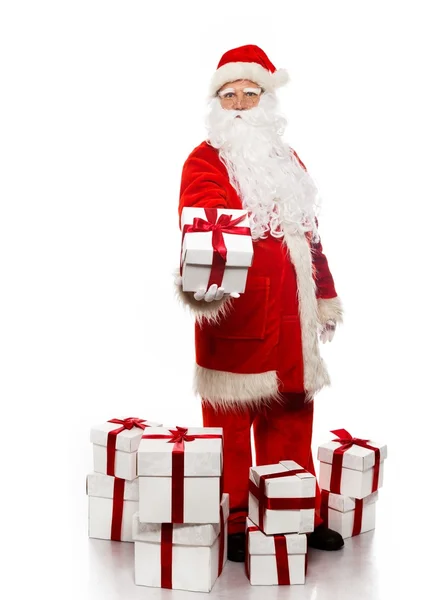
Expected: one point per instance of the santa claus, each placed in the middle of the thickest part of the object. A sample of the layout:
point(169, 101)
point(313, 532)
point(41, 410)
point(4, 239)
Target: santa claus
point(258, 361)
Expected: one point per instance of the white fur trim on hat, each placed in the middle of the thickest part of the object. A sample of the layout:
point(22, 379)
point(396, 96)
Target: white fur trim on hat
point(252, 71)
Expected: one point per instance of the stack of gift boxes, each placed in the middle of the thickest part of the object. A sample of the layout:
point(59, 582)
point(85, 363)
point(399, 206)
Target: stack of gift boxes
point(351, 471)
point(162, 489)
point(281, 513)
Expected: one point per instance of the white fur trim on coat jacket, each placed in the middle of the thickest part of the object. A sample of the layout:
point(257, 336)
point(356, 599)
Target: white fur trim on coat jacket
point(225, 389)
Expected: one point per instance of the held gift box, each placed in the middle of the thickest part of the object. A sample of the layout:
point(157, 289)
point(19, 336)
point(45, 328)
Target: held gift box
point(346, 515)
point(282, 498)
point(179, 473)
point(115, 446)
point(275, 559)
point(112, 504)
point(348, 466)
point(180, 556)
point(222, 256)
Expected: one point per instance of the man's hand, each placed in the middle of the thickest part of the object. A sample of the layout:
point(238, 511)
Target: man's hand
point(328, 330)
point(210, 295)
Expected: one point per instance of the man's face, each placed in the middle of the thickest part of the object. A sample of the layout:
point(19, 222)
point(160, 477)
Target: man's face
point(239, 95)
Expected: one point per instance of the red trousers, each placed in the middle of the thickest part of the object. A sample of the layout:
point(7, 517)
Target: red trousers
point(282, 431)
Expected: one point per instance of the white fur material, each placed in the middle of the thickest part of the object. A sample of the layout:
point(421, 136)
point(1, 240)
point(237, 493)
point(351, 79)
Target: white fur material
point(221, 388)
point(251, 71)
point(315, 371)
point(211, 312)
point(330, 308)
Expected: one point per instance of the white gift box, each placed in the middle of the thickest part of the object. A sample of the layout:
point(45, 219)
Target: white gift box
point(126, 447)
point(100, 490)
point(197, 253)
point(357, 468)
point(261, 557)
point(195, 490)
point(195, 557)
point(293, 490)
point(341, 513)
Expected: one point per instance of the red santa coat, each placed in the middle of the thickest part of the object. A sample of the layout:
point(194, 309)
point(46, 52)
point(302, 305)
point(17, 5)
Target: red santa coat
point(251, 349)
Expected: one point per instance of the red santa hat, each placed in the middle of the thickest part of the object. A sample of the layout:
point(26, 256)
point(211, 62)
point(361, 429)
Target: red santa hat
point(248, 62)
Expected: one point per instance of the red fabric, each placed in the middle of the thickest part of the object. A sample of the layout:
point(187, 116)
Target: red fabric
point(249, 53)
point(357, 517)
point(263, 333)
point(117, 509)
point(282, 431)
point(166, 556)
point(325, 495)
point(282, 559)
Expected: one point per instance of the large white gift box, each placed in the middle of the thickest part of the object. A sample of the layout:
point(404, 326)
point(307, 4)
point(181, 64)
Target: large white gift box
point(112, 503)
point(348, 516)
point(353, 472)
point(282, 498)
point(181, 556)
point(222, 250)
point(115, 445)
point(180, 475)
point(275, 559)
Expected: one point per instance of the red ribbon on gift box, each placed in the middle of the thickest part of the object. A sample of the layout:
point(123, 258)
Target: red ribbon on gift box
point(266, 503)
point(178, 437)
point(357, 513)
point(281, 557)
point(117, 509)
point(166, 551)
point(347, 441)
point(128, 423)
point(218, 226)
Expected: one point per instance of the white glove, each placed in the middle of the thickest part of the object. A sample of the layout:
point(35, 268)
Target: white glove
point(328, 330)
point(213, 293)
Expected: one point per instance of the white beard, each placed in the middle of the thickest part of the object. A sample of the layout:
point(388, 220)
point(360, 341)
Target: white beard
point(277, 192)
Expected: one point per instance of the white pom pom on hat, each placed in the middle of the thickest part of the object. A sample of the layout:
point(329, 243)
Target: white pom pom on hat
point(248, 62)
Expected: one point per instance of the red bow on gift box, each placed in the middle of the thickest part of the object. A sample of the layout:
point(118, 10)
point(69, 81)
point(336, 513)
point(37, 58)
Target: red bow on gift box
point(347, 441)
point(218, 226)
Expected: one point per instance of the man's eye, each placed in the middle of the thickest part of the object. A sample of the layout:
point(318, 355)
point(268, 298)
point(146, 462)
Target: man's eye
point(251, 94)
point(228, 95)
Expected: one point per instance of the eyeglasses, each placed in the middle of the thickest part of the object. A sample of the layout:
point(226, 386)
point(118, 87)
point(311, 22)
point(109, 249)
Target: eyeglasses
point(248, 98)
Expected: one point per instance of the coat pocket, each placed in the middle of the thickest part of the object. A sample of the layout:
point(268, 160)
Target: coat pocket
point(248, 318)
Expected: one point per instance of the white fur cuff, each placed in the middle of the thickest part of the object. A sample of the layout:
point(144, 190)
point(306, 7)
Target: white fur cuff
point(212, 312)
point(330, 308)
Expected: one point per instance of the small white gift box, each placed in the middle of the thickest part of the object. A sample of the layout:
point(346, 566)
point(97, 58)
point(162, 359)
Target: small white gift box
point(181, 556)
point(350, 469)
point(115, 445)
point(275, 559)
point(282, 498)
point(348, 516)
point(112, 503)
point(227, 252)
point(180, 475)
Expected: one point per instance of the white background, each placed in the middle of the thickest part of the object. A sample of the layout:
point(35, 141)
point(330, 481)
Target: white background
point(101, 102)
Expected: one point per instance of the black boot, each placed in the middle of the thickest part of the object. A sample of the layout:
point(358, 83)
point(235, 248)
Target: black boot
point(323, 538)
point(236, 547)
